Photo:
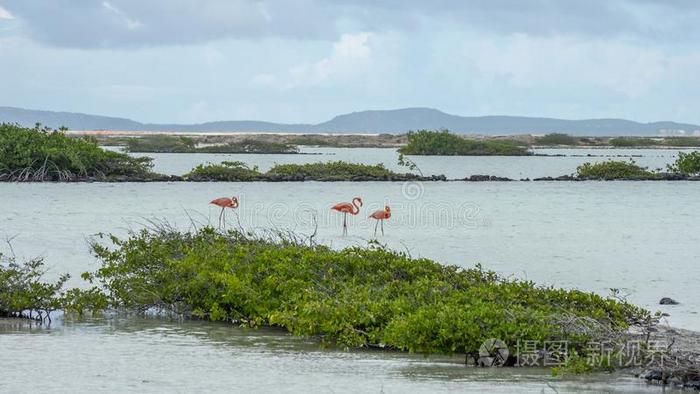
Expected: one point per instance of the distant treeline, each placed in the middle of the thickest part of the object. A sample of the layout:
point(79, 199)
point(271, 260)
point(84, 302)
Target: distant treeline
point(180, 144)
point(559, 139)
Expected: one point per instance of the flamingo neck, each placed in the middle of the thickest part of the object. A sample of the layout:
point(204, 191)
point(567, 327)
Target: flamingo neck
point(355, 207)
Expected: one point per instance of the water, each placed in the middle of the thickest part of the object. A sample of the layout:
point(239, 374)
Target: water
point(159, 356)
point(516, 167)
point(640, 237)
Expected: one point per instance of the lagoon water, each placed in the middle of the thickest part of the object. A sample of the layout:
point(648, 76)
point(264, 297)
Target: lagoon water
point(640, 237)
point(515, 167)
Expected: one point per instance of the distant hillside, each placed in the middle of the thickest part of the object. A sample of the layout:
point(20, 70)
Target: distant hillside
point(386, 121)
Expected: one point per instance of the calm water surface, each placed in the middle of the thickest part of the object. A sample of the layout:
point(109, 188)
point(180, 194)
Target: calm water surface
point(640, 237)
point(515, 167)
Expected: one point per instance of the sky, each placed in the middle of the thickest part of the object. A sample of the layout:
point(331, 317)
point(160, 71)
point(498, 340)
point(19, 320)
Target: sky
point(190, 61)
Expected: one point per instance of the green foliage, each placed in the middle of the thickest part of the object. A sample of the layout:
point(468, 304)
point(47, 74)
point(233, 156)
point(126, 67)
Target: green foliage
point(406, 162)
point(640, 142)
point(40, 154)
point(250, 146)
point(23, 292)
point(179, 144)
point(610, 170)
point(444, 143)
point(354, 297)
point(331, 170)
point(633, 142)
point(686, 163)
point(556, 139)
point(161, 144)
point(226, 171)
point(682, 141)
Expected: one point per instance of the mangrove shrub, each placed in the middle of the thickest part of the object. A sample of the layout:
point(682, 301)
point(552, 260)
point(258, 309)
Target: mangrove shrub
point(686, 163)
point(23, 293)
point(225, 171)
point(611, 170)
point(42, 154)
point(444, 143)
point(354, 297)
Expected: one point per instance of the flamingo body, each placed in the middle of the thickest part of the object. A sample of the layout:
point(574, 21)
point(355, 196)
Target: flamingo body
point(381, 216)
point(348, 208)
point(224, 202)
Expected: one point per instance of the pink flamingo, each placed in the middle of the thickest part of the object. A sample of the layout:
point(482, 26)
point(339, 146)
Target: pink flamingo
point(347, 208)
point(225, 202)
point(381, 216)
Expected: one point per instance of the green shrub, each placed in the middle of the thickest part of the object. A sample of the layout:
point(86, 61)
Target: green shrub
point(444, 143)
point(610, 170)
point(179, 144)
point(335, 169)
point(250, 146)
point(686, 164)
point(354, 297)
point(45, 155)
point(556, 139)
point(633, 142)
point(682, 141)
point(161, 144)
point(23, 292)
point(226, 171)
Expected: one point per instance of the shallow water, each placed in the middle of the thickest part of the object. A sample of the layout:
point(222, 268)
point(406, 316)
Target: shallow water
point(137, 355)
point(516, 167)
point(640, 237)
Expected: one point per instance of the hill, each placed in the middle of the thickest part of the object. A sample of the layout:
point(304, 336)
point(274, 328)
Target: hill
point(377, 121)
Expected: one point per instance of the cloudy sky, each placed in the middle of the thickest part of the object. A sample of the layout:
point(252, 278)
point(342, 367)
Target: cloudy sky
point(308, 60)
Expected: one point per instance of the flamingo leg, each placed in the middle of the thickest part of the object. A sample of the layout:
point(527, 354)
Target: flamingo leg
point(375, 228)
point(382, 221)
point(221, 214)
point(345, 223)
point(224, 210)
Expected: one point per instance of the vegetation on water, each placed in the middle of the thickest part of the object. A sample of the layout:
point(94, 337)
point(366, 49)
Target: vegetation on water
point(42, 154)
point(161, 144)
point(622, 142)
point(181, 144)
point(686, 164)
point(231, 171)
point(356, 297)
point(331, 170)
point(328, 171)
point(682, 141)
point(612, 170)
point(444, 143)
point(24, 294)
point(556, 139)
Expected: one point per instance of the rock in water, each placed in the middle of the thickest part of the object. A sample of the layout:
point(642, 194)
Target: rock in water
point(668, 301)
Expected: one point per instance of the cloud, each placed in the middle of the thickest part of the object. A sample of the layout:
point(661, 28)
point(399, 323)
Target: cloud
point(350, 56)
point(5, 14)
point(131, 24)
point(137, 23)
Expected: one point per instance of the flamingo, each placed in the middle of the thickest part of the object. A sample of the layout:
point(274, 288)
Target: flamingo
point(225, 202)
point(381, 215)
point(348, 208)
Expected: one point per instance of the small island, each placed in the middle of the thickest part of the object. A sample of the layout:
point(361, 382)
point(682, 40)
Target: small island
point(444, 143)
point(182, 144)
point(325, 172)
point(359, 297)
